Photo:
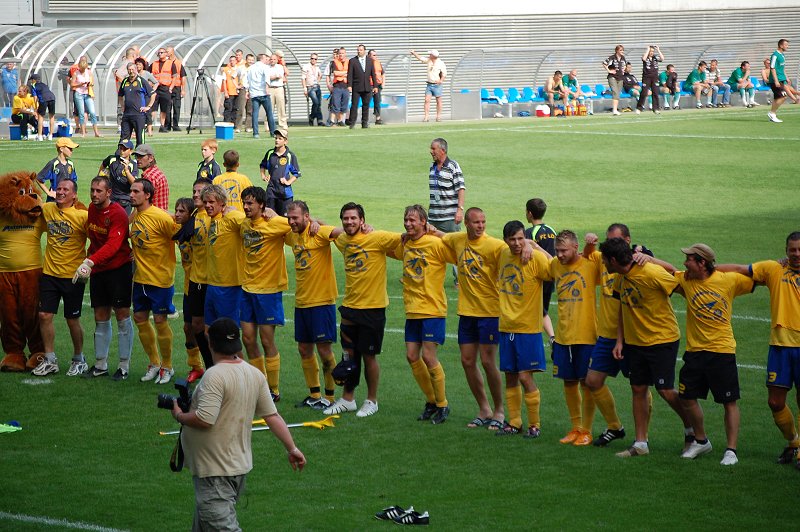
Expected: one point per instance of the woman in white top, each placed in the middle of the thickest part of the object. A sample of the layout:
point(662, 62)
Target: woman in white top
point(82, 82)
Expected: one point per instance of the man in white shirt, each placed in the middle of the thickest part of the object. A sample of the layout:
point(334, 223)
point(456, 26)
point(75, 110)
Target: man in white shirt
point(437, 72)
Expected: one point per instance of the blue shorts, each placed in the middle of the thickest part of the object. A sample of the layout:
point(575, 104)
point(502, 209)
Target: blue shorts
point(187, 316)
point(153, 298)
point(222, 302)
point(521, 352)
point(472, 330)
point(571, 362)
point(783, 366)
point(315, 325)
point(603, 361)
point(262, 309)
point(425, 330)
point(340, 98)
point(434, 90)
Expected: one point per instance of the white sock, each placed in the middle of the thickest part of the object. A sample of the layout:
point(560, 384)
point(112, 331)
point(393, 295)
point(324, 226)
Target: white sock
point(125, 340)
point(102, 342)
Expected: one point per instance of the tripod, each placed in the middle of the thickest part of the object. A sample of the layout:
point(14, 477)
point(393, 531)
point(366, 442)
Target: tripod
point(200, 82)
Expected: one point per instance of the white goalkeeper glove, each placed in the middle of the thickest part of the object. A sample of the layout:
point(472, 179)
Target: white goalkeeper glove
point(83, 272)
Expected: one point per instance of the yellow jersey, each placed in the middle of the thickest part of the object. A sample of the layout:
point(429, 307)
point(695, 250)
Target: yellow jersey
point(21, 245)
point(264, 261)
point(365, 267)
point(153, 248)
point(185, 250)
point(313, 266)
point(709, 304)
point(66, 240)
point(225, 254)
point(784, 301)
point(424, 268)
point(198, 272)
point(647, 314)
point(576, 288)
point(477, 273)
point(608, 310)
point(233, 183)
point(520, 288)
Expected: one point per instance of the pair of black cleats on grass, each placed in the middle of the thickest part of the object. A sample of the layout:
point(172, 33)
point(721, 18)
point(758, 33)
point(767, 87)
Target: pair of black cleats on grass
point(401, 516)
point(437, 415)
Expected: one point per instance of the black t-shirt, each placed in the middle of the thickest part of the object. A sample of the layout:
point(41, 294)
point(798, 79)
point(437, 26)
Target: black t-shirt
point(208, 170)
point(650, 66)
point(617, 63)
point(120, 187)
point(544, 235)
point(629, 81)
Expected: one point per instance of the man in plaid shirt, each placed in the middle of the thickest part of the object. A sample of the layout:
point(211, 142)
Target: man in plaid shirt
point(146, 159)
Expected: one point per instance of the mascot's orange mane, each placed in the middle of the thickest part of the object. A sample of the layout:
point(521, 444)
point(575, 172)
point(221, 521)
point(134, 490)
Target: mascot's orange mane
point(19, 200)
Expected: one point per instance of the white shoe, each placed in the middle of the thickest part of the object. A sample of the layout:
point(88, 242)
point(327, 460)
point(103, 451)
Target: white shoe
point(164, 375)
point(45, 367)
point(340, 406)
point(754, 103)
point(666, 106)
point(39, 138)
point(49, 136)
point(774, 118)
point(729, 458)
point(697, 449)
point(615, 113)
point(638, 112)
point(657, 112)
point(77, 368)
point(367, 409)
point(152, 373)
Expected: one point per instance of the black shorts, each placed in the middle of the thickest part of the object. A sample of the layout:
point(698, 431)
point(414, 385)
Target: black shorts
point(163, 100)
point(547, 293)
point(703, 371)
point(196, 304)
point(652, 365)
point(112, 288)
point(364, 332)
point(777, 92)
point(53, 289)
point(50, 107)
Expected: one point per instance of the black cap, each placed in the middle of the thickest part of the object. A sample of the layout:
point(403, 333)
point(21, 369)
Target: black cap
point(223, 335)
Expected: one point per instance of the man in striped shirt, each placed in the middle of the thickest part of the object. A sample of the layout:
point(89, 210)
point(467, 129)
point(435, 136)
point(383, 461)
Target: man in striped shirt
point(447, 191)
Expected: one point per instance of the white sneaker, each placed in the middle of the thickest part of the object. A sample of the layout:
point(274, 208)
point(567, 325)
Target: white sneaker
point(367, 409)
point(615, 113)
point(774, 118)
point(697, 449)
point(638, 112)
point(152, 373)
point(77, 368)
point(754, 103)
point(339, 407)
point(39, 138)
point(164, 375)
point(657, 112)
point(49, 136)
point(729, 458)
point(45, 367)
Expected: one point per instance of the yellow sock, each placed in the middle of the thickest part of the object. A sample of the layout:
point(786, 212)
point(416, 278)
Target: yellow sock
point(587, 409)
point(147, 335)
point(274, 373)
point(423, 378)
point(514, 406)
point(193, 358)
point(604, 400)
point(572, 394)
point(164, 334)
point(328, 363)
point(785, 421)
point(311, 373)
point(437, 379)
point(532, 401)
point(258, 363)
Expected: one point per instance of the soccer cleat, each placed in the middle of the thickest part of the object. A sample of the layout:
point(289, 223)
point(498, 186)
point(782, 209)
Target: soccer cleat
point(729, 458)
point(570, 437)
point(392, 512)
point(340, 406)
point(427, 413)
point(195, 375)
point(441, 415)
point(317, 403)
point(585, 438)
point(120, 375)
point(697, 449)
point(608, 436)
point(507, 430)
point(94, 371)
point(532, 432)
point(276, 397)
point(633, 451)
point(76, 368)
point(151, 373)
point(788, 456)
point(699, 106)
point(45, 368)
point(367, 409)
point(164, 375)
point(774, 118)
point(412, 517)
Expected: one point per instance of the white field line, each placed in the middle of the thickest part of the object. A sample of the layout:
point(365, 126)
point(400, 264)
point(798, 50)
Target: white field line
point(61, 523)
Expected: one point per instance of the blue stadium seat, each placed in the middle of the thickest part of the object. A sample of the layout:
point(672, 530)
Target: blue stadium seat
point(599, 89)
point(758, 84)
point(587, 91)
point(500, 95)
point(464, 91)
point(513, 95)
point(528, 94)
point(540, 93)
point(486, 97)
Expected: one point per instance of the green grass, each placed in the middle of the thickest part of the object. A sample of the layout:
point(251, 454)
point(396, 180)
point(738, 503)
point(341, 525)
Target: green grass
point(90, 451)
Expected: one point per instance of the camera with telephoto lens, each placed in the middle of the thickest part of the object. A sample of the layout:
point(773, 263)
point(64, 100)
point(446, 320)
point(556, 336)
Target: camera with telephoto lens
point(201, 71)
point(184, 398)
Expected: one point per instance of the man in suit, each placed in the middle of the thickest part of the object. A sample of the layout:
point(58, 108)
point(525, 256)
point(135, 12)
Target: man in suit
point(361, 82)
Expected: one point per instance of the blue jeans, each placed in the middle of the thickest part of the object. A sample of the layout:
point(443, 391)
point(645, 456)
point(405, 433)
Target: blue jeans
point(726, 93)
point(258, 101)
point(85, 103)
point(315, 95)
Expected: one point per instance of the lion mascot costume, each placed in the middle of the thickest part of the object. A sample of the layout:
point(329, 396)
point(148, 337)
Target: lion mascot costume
point(21, 228)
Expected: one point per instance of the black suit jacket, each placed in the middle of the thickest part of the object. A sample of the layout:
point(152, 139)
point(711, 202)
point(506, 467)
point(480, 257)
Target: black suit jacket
point(359, 79)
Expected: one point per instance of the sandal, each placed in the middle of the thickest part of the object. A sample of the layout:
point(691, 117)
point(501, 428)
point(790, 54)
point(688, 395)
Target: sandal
point(495, 424)
point(508, 430)
point(478, 422)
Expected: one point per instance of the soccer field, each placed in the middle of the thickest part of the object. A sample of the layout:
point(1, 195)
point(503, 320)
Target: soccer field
point(89, 454)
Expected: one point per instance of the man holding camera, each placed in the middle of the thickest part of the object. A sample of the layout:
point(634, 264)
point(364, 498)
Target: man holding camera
point(217, 429)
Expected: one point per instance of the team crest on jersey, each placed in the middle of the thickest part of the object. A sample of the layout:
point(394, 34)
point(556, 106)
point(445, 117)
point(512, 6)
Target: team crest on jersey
point(570, 287)
point(511, 280)
point(59, 230)
point(301, 257)
point(282, 161)
point(710, 306)
point(253, 241)
point(139, 235)
point(470, 264)
point(355, 258)
point(415, 264)
point(631, 296)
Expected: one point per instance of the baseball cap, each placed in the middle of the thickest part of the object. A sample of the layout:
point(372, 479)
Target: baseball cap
point(701, 250)
point(127, 144)
point(144, 149)
point(223, 335)
point(434, 53)
point(282, 132)
point(35, 77)
point(65, 142)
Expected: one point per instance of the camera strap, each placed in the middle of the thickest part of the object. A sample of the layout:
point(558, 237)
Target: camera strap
point(176, 459)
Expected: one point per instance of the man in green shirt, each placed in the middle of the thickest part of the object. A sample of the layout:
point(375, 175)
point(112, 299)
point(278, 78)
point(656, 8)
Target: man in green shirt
point(696, 82)
point(740, 81)
point(781, 88)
